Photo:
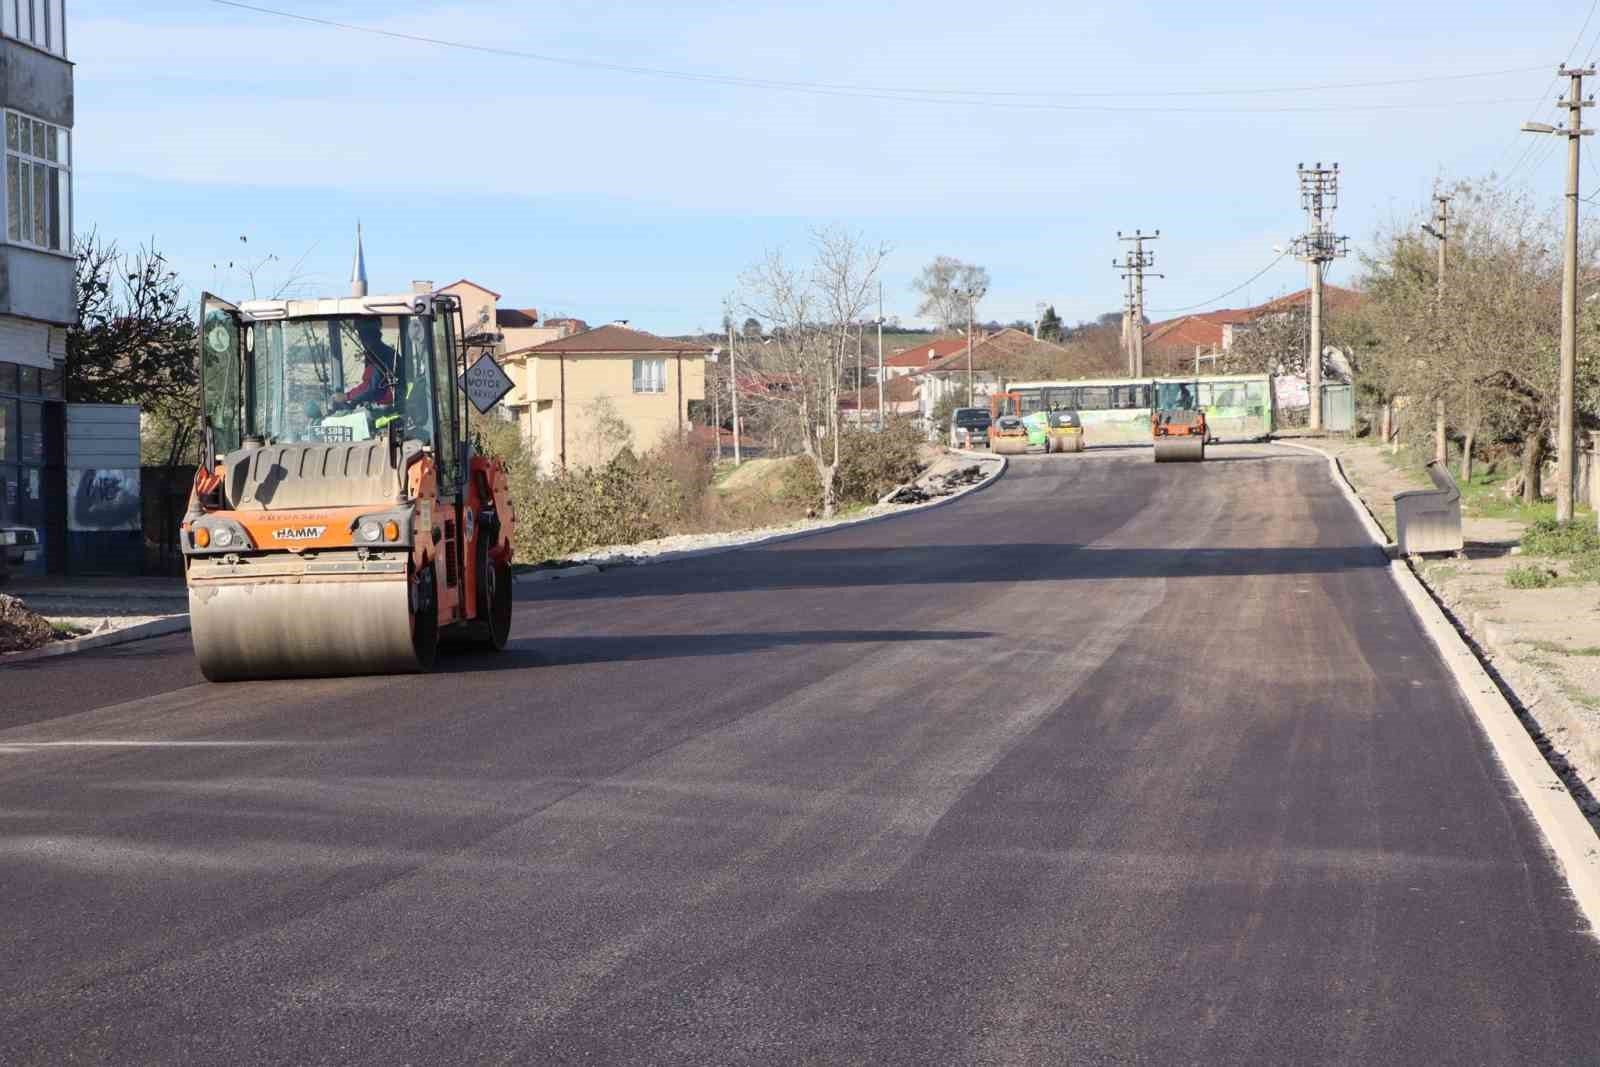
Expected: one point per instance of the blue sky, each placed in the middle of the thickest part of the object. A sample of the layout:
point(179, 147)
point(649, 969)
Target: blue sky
point(606, 194)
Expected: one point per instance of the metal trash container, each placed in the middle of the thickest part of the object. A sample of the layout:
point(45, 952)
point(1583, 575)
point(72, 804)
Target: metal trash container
point(1429, 520)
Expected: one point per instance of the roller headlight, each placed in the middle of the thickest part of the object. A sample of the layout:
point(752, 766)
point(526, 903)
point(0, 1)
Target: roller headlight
point(370, 531)
point(222, 538)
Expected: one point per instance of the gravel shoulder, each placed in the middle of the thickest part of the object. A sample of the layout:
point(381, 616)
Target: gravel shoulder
point(1542, 645)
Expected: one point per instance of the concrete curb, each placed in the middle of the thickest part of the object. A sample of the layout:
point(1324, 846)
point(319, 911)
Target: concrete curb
point(794, 535)
point(154, 628)
point(1554, 810)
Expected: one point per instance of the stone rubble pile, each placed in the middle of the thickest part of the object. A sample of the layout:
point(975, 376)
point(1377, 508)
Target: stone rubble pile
point(20, 628)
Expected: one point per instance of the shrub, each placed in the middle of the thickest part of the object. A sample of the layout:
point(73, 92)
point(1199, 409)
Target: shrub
point(870, 464)
point(1530, 576)
point(1561, 540)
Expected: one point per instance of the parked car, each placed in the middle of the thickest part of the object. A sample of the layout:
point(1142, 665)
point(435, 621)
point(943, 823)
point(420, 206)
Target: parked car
point(19, 546)
point(969, 428)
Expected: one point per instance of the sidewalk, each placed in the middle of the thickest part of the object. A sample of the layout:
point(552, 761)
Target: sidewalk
point(99, 604)
point(1543, 643)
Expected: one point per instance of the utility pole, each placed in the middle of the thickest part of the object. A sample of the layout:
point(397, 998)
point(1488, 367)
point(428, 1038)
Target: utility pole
point(1440, 228)
point(1319, 195)
point(1566, 418)
point(716, 397)
point(973, 295)
point(880, 355)
point(861, 387)
point(733, 390)
point(1134, 265)
point(1127, 320)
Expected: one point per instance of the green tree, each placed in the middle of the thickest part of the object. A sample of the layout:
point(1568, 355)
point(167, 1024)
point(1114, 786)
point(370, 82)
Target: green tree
point(1050, 325)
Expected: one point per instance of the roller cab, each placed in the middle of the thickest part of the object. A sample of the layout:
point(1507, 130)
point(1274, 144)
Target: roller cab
point(341, 521)
point(1064, 432)
point(1177, 424)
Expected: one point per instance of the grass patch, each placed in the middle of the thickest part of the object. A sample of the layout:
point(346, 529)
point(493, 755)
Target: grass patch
point(1442, 573)
point(1530, 576)
point(1577, 541)
point(1481, 498)
point(1568, 540)
point(1551, 646)
point(66, 631)
point(1578, 695)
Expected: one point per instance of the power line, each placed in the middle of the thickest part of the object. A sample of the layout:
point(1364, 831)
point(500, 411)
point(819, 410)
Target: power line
point(1576, 41)
point(901, 93)
point(1223, 296)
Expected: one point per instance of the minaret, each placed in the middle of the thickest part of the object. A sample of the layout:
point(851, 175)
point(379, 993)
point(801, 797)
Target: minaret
point(358, 270)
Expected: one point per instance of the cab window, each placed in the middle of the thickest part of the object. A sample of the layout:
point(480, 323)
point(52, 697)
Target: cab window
point(446, 450)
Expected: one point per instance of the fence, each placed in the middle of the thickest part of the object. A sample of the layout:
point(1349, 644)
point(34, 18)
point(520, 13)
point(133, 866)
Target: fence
point(166, 498)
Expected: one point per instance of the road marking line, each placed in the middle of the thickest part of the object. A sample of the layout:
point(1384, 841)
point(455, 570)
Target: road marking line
point(17, 747)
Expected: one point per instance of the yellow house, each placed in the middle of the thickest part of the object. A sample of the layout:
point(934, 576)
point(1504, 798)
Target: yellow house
point(574, 386)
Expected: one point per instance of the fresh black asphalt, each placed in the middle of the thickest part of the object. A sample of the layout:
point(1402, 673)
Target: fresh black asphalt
point(1109, 762)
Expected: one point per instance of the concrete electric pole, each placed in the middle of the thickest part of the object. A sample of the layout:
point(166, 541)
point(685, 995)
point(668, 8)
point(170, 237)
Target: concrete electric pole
point(972, 295)
point(1134, 265)
point(1566, 421)
point(1319, 195)
point(880, 355)
point(1440, 229)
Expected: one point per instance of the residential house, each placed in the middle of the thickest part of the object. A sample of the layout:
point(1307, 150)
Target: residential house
point(37, 297)
point(916, 358)
point(899, 401)
point(478, 307)
point(645, 381)
point(1007, 355)
point(1177, 346)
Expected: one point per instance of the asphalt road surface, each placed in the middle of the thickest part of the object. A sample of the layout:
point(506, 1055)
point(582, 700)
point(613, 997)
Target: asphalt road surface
point(1108, 762)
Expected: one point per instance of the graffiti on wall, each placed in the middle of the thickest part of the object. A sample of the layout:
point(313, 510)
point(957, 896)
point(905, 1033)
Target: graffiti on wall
point(103, 500)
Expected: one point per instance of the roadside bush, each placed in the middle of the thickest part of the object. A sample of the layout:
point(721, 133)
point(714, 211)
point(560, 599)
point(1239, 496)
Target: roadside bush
point(870, 464)
point(1530, 576)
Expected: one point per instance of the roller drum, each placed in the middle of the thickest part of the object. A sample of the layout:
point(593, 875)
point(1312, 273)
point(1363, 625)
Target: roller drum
point(1188, 449)
point(264, 629)
point(1009, 446)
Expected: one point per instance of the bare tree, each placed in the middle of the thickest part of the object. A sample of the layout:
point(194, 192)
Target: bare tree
point(942, 285)
point(809, 311)
point(134, 342)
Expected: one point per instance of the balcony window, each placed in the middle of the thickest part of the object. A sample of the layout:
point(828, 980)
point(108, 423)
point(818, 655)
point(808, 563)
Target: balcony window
point(41, 23)
point(649, 375)
point(38, 189)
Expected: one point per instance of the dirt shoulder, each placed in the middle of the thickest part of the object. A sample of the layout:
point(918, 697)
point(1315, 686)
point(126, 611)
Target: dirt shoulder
point(1540, 636)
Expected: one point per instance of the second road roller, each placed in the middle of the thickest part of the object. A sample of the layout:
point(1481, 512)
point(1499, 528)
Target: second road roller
point(1177, 424)
point(342, 520)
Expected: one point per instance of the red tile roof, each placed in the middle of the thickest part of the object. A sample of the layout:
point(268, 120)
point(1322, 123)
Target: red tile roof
point(898, 390)
point(1206, 328)
point(516, 318)
point(1001, 351)
point(919, 356)
point(614, 340)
